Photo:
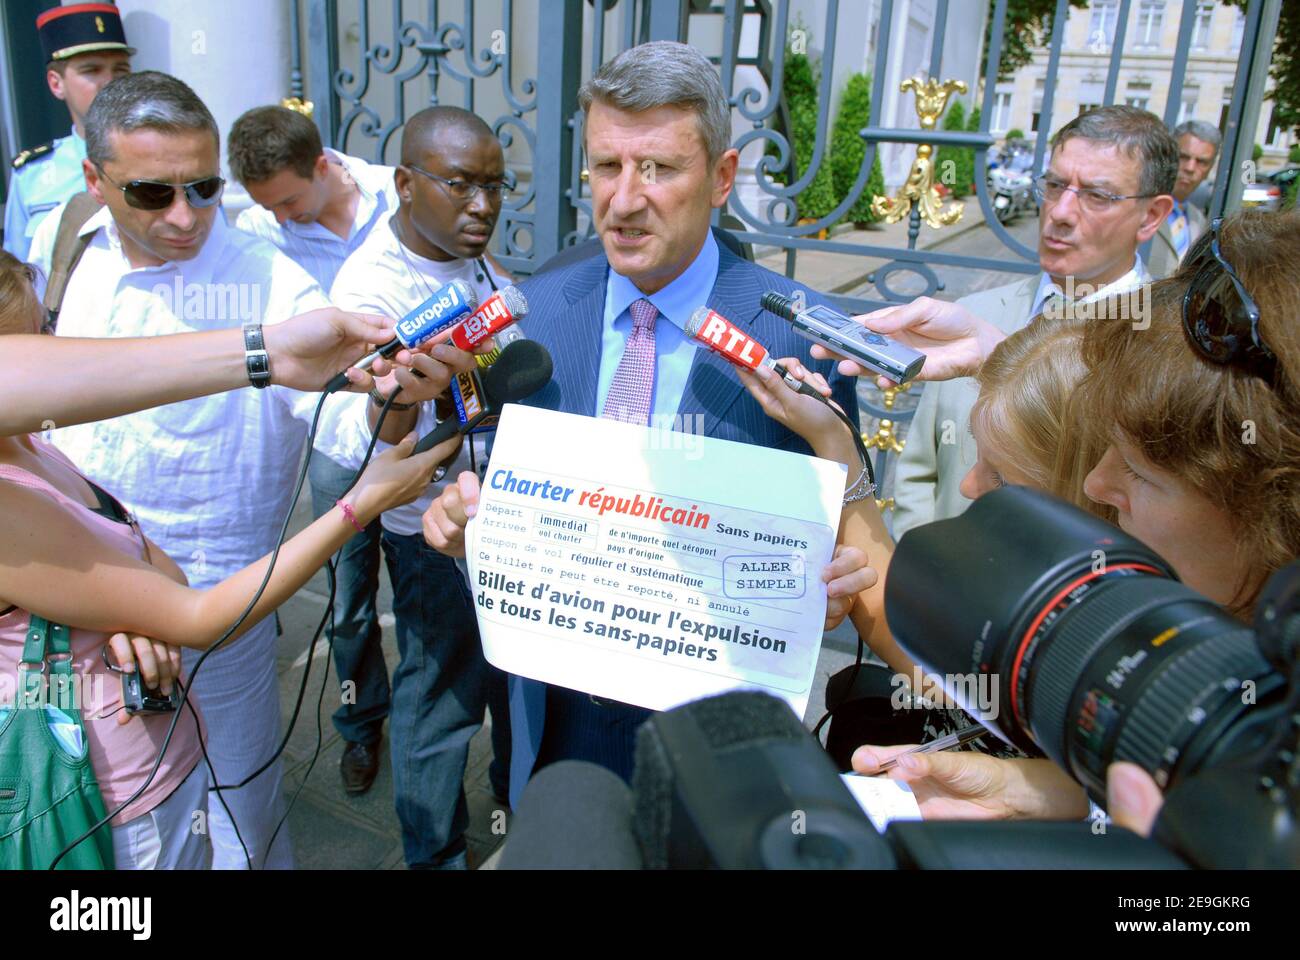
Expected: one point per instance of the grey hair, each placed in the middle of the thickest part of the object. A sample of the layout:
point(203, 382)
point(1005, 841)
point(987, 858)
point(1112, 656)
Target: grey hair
point(664, 73)
point(148, 100)
point(1136, 132)
point(1201, 131)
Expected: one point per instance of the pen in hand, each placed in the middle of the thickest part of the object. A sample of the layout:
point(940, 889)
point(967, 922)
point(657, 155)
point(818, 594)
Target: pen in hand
point(964, 735)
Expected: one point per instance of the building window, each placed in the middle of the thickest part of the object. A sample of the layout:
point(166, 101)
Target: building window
point(1201, 29)
point(1151, 17)
point(1091, 95)
point(1138, 95)
point(1001, 111)
point(1101, 25)
point(1037, 112)
point(1224, 109)
point(1238, 28)
point(1187, 106)
point(1276, 136)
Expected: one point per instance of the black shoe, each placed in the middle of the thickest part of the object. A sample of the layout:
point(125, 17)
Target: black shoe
point(359, 765)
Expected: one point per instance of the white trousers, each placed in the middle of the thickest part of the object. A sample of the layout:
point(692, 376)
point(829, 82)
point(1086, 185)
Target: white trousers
point(170, 836)
point(240, 699)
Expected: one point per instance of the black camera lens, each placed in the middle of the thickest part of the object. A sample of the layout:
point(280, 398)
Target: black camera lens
point(1069, 638)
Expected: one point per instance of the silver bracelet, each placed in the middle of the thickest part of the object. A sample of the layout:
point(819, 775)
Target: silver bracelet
point(860, 489)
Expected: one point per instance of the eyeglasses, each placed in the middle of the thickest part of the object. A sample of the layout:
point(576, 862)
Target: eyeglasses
point(464, 190)
point(1220, 317)
point(154, 195)
point(1092, 199)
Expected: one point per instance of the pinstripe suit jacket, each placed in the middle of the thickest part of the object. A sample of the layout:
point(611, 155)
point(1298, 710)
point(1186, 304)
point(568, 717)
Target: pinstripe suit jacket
point(566, 315)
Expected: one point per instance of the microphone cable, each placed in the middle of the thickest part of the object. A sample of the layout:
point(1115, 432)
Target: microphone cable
point(185, 689)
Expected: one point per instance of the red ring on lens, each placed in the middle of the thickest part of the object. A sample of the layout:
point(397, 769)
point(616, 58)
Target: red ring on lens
point(1047, 608)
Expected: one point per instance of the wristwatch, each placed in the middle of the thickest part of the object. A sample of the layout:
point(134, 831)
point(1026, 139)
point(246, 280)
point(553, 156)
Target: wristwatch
point(256, 358)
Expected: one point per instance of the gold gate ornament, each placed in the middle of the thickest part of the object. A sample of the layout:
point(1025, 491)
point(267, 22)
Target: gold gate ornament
point(931, 98)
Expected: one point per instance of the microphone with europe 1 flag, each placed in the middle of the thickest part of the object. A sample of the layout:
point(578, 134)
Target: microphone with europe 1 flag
point(447, 306)
point(721, 335)
point(523, 368)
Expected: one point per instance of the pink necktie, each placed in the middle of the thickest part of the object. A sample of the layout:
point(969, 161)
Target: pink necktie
point(629, 392)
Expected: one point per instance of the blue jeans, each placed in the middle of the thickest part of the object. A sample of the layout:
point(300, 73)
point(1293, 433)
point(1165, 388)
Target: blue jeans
point(440, 690)
point(358, 655)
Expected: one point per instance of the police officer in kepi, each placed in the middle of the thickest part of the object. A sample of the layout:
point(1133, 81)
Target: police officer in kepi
point(85, 48)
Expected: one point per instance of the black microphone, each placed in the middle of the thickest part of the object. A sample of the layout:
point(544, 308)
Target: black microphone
point(573, 815)
point(523, 368)
point(736, 782)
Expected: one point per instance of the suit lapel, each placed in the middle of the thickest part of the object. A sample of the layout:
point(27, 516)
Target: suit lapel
point(713, 385)
point(578, 336)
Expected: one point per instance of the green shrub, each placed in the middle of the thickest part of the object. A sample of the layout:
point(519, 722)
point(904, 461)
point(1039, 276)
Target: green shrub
point(1294, 155)
point(800, 93)
point(1292, 194)
point(962, 172)
point(848, 150)
point(1015, 133)
point(1256, 152)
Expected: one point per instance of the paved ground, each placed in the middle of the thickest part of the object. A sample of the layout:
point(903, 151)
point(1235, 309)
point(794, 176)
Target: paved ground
point(332, 830)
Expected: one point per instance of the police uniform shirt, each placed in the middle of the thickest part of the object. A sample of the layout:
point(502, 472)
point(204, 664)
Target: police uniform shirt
point(41, 180)
point(320, 251)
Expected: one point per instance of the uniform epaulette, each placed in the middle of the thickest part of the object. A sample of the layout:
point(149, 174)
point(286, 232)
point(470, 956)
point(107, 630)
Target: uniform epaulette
point(32, 154)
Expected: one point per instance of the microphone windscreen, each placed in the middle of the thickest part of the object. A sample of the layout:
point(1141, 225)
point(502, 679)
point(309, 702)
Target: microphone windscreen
point(523, 368)
point(573, 815)
point(696, 323)
point(735, 781)
point(515, 301)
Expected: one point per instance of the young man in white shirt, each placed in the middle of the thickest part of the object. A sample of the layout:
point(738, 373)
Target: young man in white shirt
point(209, 479)
point(318, 206)
point(450, 187)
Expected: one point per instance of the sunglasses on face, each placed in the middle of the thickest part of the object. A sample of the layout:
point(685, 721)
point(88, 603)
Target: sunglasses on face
point(154, 195)
point(1220, 316)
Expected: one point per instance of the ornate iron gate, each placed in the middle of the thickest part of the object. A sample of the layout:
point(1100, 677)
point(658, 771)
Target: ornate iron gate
point(462, 53)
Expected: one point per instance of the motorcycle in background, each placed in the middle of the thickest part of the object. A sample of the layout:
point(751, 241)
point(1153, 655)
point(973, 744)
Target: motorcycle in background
point(1011, 180)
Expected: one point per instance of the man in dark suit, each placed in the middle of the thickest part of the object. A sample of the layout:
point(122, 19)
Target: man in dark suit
point(657, 133)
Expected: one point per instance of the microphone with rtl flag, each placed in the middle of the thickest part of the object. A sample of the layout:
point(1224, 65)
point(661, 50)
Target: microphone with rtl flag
point(717, 332)
point(721, 335)
point(448, 314)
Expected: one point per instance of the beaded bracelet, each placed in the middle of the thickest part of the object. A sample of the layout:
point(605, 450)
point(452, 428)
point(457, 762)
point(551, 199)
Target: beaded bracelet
point(350, 514)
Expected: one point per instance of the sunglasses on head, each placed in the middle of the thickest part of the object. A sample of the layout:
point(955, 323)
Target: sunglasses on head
point(1220, 316)
point(154, 195)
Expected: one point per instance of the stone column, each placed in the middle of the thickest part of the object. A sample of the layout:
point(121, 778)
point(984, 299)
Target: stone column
point(235, 55)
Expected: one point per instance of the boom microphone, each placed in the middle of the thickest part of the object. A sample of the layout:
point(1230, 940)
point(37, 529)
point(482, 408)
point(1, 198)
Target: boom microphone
point(573, 815)
point(735, 781)
point(523, 368)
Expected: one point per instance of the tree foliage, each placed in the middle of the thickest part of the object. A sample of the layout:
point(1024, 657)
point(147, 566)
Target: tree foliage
point(1028, 25)
point(848, 150)
point(1284, 68)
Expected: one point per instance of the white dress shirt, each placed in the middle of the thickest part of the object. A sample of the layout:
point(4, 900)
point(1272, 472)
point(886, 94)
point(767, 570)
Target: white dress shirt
point(315, 248)
point(1047, 288)
point(383, 277)
point(210, 478)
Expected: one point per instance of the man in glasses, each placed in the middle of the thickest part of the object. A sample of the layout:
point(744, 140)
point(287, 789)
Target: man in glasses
point(451, 185)
point(318, 206)
point(85, 48)
point(1198, 146)
point(1105, 193)
point(210, 479)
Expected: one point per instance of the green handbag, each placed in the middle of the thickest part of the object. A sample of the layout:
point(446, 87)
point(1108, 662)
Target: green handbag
point(48, 792)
